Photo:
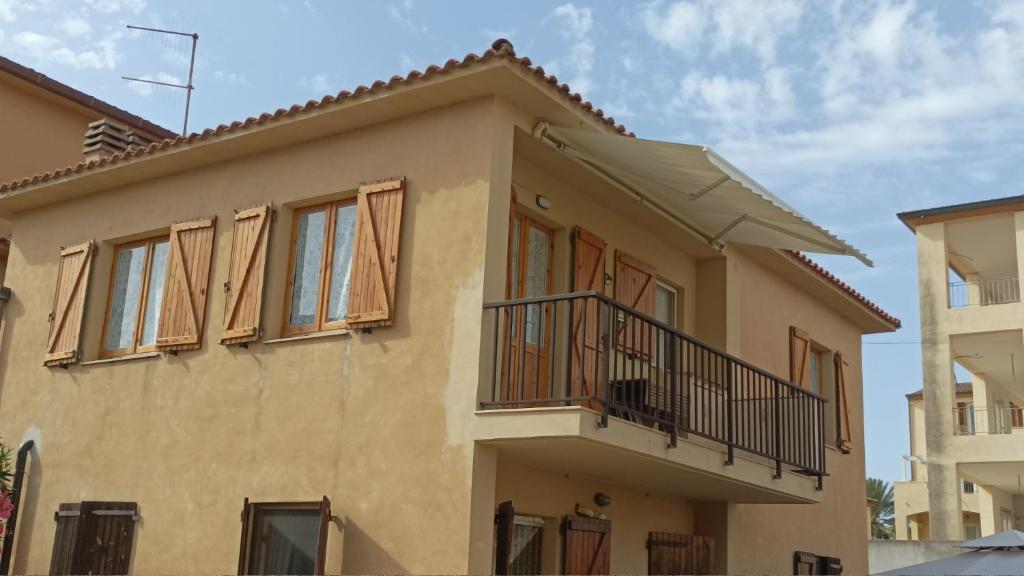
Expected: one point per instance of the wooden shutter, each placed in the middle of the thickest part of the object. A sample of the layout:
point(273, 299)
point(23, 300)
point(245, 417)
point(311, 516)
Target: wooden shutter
point(588, 276)
point(503, 521)
point(371, 300)
point(843, 430)
point(67, 518)
point(183, 311)
point(244, 288)
point(325, 527)
point(243, 547)
point(669, 553)
point(94, 538)
point(68, 304)
point(799, 357)
point(588, 544)
point(635, 283)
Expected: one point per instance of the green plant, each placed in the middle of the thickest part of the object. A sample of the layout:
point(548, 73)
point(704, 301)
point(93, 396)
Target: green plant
point(883, 509)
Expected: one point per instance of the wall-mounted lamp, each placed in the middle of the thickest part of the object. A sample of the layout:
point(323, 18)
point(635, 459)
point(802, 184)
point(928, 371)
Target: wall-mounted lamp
point(603, 500)
point(543, 202)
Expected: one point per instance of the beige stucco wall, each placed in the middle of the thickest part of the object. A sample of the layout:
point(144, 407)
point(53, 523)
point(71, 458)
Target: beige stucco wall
point(764, 537)
point(374, 421)
point(42, 131)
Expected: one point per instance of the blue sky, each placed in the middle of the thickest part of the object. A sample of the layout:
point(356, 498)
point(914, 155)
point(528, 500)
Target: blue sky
point(850, 111)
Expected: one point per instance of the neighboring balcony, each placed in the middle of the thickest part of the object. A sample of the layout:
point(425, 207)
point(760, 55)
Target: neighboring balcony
point(987, 292)
point(599, 378)
point(971, 420)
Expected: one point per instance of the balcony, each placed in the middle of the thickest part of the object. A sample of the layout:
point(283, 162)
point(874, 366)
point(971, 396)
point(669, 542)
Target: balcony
point(985, 292)
point(587, 352)
point(971, 420)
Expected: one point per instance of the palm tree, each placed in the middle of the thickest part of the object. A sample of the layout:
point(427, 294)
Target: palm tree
point(883, 509)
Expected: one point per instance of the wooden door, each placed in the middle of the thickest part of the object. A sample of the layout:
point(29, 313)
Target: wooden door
point(528, 328)
point(669, 553)
point(588, 543)
point(587, 350)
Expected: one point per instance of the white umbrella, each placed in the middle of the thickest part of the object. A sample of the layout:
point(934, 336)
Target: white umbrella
point(997, 555)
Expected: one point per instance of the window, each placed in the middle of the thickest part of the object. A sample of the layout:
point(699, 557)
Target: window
point(1006, 518)
point(968, 487)
point(284, 537)
point(817, 369)
point(108, 527)
point(527, 545)
point(665, 302)
point(136, 296)
point(807, 563)
point(320, 266)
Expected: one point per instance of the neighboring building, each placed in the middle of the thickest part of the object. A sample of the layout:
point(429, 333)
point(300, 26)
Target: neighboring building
point(967, 453)
point(457, 322)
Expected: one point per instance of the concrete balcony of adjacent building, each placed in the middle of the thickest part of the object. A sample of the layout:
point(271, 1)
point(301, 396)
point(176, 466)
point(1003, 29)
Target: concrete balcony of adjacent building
point(582, 384)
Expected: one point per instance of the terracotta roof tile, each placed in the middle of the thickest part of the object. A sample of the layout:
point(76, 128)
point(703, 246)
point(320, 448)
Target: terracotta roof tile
point(499, 49)
point(961, 388)
point(819, 270)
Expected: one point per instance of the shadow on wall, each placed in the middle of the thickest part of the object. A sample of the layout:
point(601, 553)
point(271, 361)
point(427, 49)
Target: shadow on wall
point(27, 514)
point(362, 555)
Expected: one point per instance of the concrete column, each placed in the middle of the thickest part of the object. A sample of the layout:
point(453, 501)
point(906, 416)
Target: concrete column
point(937, 368)
point(481, 510)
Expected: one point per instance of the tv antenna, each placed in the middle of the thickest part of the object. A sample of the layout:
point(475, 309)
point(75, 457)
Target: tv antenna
point(191, 67)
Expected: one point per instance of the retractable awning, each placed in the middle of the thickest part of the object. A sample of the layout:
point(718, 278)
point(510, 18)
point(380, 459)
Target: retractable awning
point(699, 188)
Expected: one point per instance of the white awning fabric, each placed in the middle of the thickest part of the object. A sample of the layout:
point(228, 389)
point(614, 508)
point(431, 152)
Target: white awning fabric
point(700, 188)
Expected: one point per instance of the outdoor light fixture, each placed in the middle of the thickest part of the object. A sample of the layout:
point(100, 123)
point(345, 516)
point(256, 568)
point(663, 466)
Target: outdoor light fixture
point(602, 499)
point(543, 201)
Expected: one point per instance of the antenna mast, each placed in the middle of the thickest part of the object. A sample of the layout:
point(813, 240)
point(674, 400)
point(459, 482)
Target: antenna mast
point(191, 67)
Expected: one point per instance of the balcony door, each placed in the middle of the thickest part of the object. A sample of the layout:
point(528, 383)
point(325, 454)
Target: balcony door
point(528, 327)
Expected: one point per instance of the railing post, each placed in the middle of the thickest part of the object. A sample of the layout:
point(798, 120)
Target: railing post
point(778, 429)
point(729, 419)
point(608, 351)
point(821, 444)
point(674, 375)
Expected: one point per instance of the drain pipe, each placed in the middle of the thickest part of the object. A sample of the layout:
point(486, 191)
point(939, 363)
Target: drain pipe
point(12, 522)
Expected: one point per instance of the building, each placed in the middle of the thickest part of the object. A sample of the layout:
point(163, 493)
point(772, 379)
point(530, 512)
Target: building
point(967, 453)
point(455, 322)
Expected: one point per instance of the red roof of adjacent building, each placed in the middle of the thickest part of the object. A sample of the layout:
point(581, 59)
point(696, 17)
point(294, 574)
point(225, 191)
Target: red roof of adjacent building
point(63, 90)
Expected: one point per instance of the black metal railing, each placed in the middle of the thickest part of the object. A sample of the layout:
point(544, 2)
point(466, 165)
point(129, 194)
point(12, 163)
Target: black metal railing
point(585, 349)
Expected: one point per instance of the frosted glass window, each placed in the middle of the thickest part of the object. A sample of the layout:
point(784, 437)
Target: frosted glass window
point(538, 244)
point(129, 270)
point(309, 248)
point(664, 312)
point(341, 262)
point(155, 294)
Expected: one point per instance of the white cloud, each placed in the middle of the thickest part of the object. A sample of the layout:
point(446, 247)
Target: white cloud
point(319, 83)
point(233, 78)
point(754, 25)
point(111, 6)
point(402, 13)
point(577, 25)
point(736, 104)
point(145, 89)
point(101, 55)
point(74, 27)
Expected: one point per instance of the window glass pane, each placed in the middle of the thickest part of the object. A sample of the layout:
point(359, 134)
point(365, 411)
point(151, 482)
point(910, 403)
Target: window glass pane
point(525, 554)
point(155, 295)
point(284, 541)
point(536, 281)
point(815, 369)
point(309, 247)
point(665, 305)
point(341, 262)
point(124, 304)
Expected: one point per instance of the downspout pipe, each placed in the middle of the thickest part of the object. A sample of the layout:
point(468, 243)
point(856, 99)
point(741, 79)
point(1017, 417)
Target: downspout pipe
point(12, 522)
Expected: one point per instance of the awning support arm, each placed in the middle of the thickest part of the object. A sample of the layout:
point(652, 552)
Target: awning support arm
point(709, 188)
point(728, 228)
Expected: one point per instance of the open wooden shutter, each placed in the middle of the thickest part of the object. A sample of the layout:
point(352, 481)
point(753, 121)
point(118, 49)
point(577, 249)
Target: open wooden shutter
point(669, 553)
point(588, 543)
point(843, 431)
point(371, 300)
point(799, 357)
point(244, 288)
point(68, 304)
point(67, 518)
point(635, 284)
point(325, 528)
point(243, 546)
point(588, 276)
point(183, 311)
point(503, 522)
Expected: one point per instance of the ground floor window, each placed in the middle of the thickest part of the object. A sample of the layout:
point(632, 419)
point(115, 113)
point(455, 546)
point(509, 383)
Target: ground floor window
point(284, 537)
point(526, 554)
point(94, 538)
point(807, 563)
